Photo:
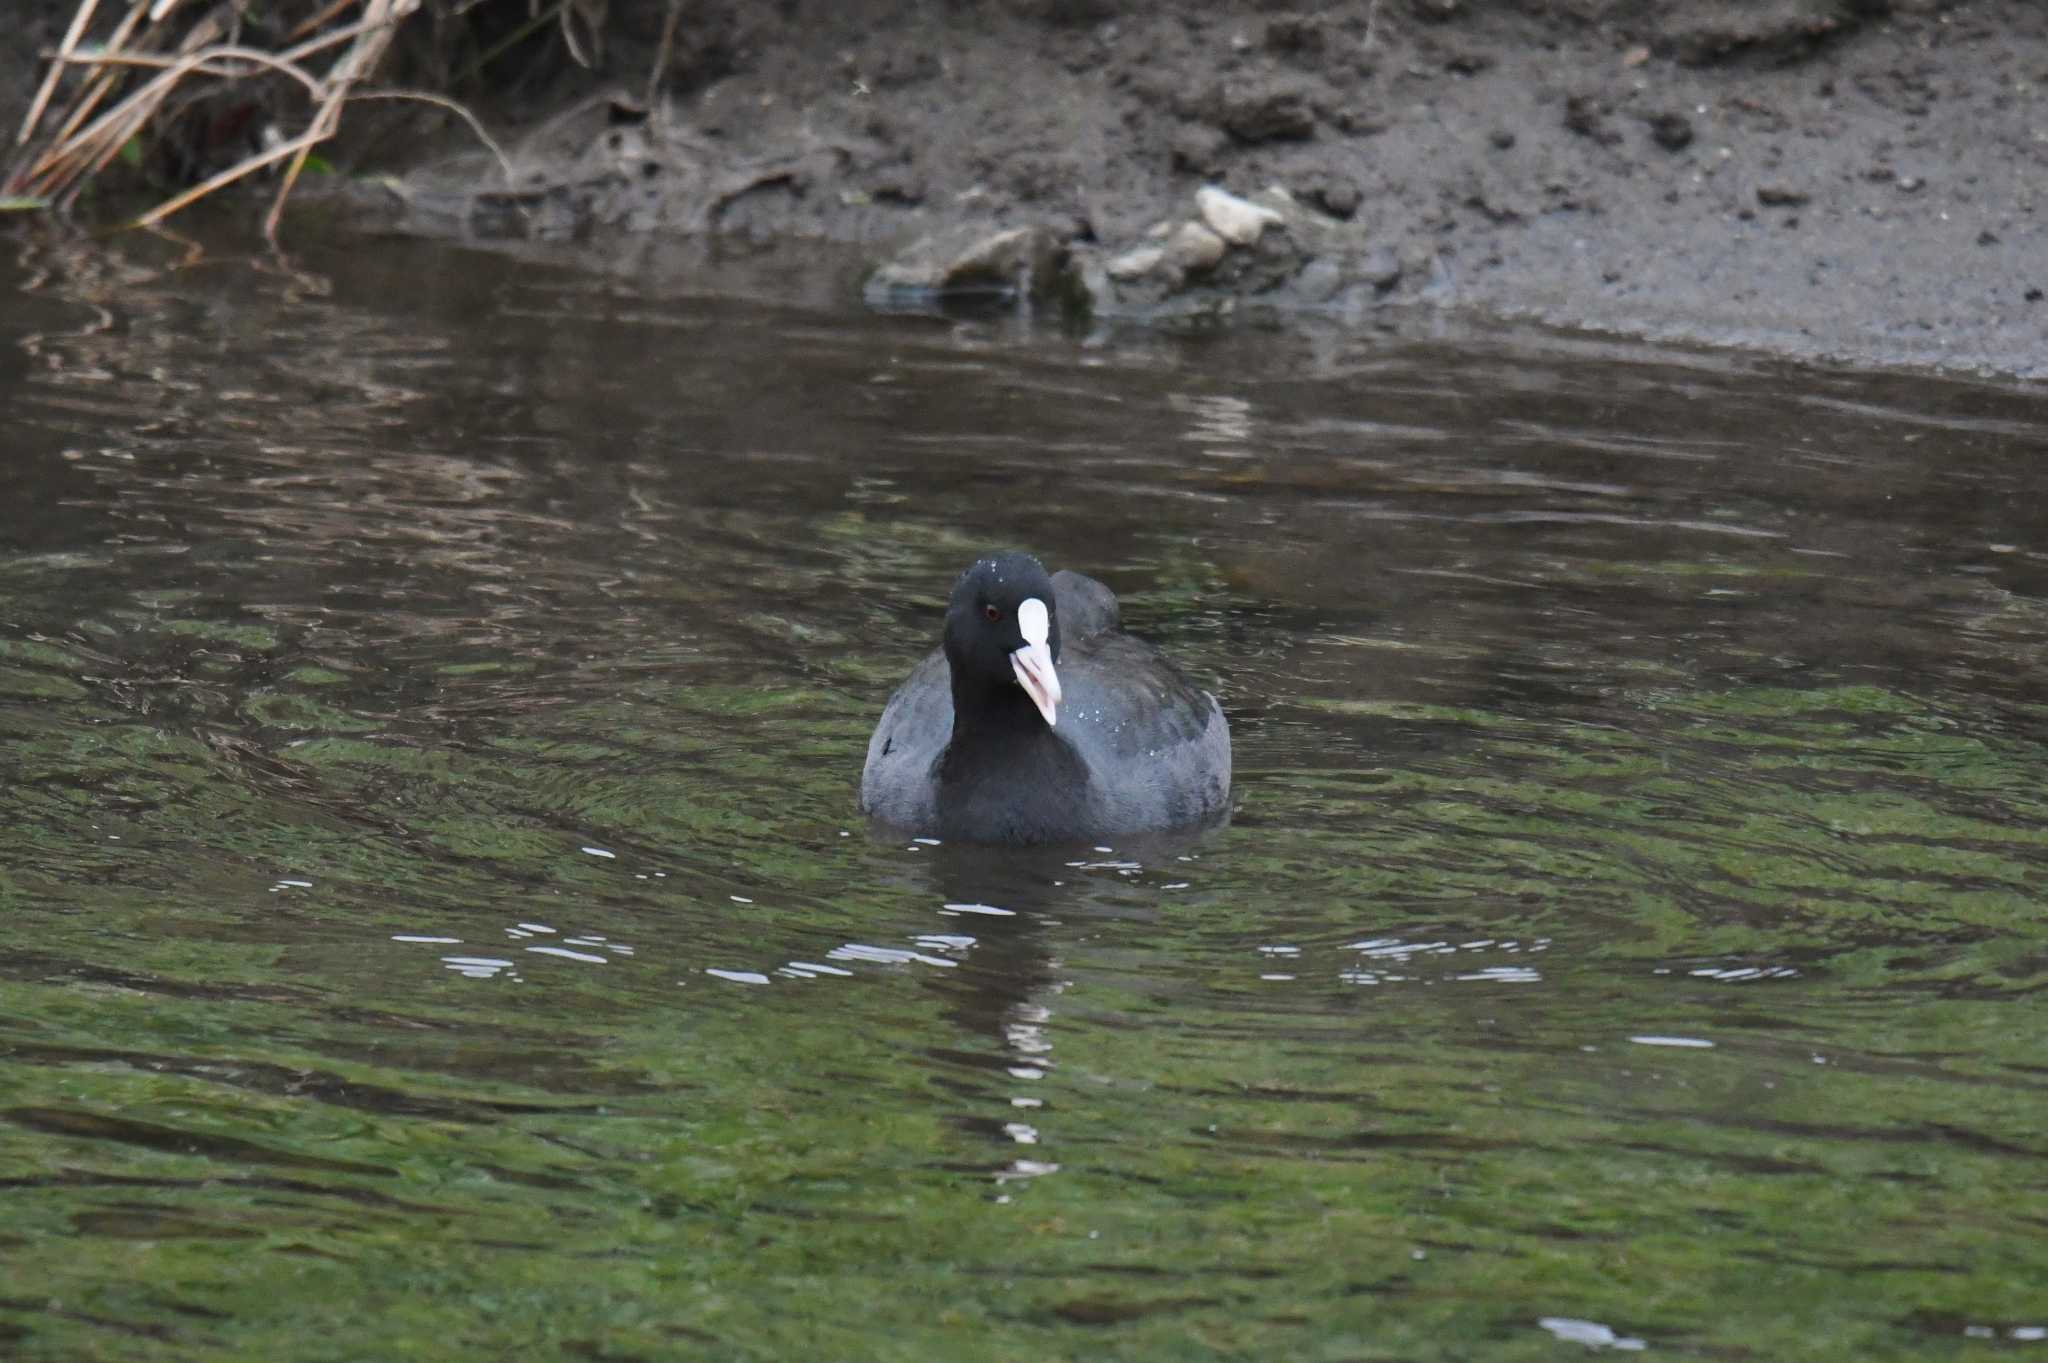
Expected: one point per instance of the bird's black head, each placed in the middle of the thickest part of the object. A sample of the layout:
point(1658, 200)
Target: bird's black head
point(1003, 631)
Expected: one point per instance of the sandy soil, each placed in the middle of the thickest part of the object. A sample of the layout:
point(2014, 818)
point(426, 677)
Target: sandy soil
point(1849, 179)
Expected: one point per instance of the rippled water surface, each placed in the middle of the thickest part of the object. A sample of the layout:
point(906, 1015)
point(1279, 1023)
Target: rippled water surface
point(434, 921)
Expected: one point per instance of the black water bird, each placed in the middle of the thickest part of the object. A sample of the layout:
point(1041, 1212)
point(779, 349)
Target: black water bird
point(1040, 720)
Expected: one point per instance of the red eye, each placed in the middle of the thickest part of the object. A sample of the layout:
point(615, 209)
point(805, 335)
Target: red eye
point(992, 612)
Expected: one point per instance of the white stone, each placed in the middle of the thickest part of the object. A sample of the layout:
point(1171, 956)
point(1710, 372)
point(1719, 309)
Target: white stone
point(1137, 263)
point(1237, 221)
point(1194, 248)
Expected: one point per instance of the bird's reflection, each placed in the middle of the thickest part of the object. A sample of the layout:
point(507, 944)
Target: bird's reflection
point(1009, 913)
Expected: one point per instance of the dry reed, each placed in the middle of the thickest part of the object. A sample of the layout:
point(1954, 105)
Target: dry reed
point(161, 54)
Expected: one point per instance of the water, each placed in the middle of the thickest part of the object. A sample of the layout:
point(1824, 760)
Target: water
point(434, 921)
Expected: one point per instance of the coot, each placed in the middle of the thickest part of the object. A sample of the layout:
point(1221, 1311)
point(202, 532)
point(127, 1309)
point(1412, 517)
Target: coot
point(1040, 720)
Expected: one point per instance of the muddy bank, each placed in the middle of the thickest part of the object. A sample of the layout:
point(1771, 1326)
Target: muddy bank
point(1849, 179)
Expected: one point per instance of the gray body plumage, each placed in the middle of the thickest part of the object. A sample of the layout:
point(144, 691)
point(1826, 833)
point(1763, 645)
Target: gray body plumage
point(1137, 747)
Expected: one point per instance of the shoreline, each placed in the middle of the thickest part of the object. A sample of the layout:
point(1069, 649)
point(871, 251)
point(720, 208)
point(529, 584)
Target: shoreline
point(1845, 181)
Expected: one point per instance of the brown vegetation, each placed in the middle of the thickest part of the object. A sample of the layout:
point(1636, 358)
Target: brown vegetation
point(216, 93)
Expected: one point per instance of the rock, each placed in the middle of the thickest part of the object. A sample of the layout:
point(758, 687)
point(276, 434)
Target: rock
point(972, 260)
point(1699, 35)
point(1230, 257)
point(1775, 194)
point(1584, 115)
point(1264, 110)
point(1318, 281)
point(1337, 197)
point(1419, 258)
point(1295, 36)
point(1041, 176)
point(1237, 221)
point(901, 183)
point(1136, 263)
point(1193, 248)
point(1381, 269)
point(1671, 131)
point(1093, 294)
point(1199, 148)
point(1486, 191)
point(1357, 122)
